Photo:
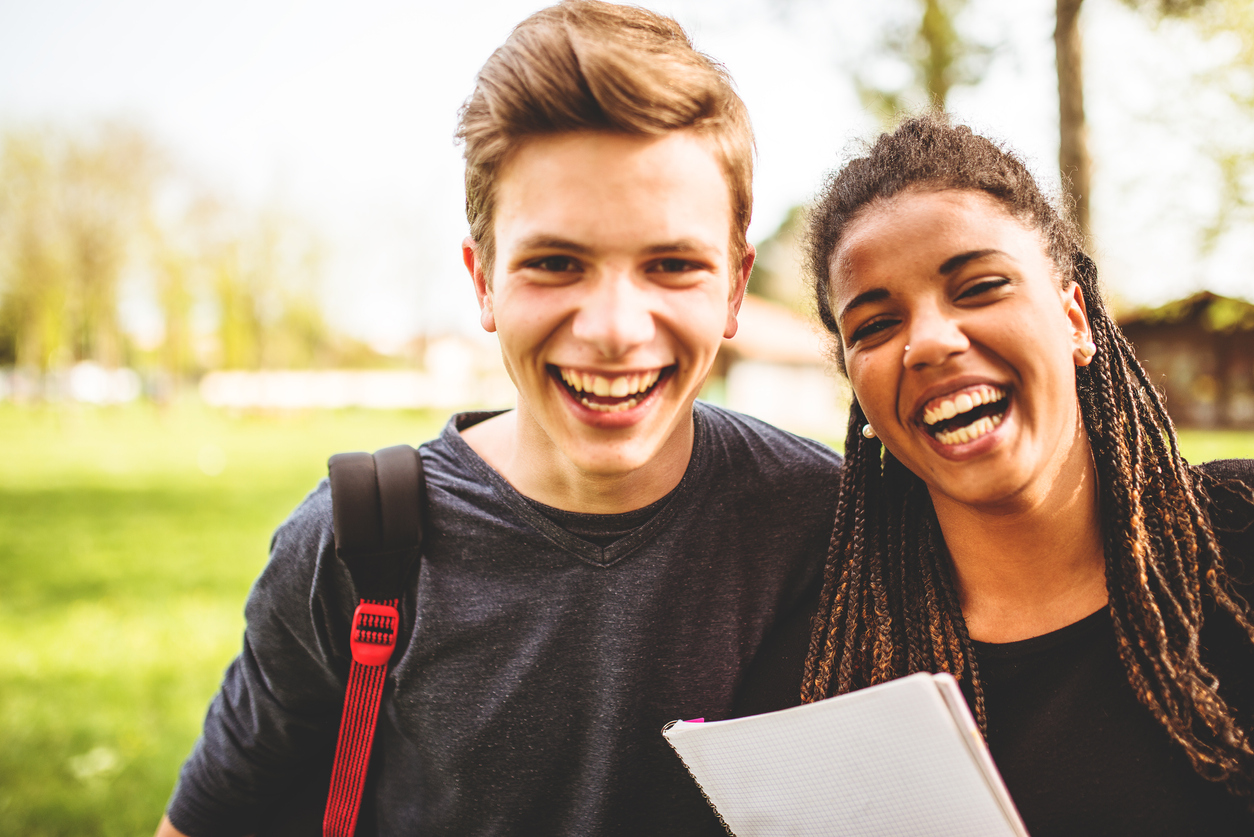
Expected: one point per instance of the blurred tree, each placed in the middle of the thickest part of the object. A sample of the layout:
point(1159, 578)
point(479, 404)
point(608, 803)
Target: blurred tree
point(108, 181)
point(175, 297)
point(1231, 150)
point(71, 207)
point(79, 211)
point(936, 57)
point(265, 273)
point(1074, 160)
point(777, 269)
point(33, 273)
point(239, 329)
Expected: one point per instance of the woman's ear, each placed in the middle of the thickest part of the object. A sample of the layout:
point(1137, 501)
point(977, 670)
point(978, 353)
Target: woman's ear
point(1077, 315)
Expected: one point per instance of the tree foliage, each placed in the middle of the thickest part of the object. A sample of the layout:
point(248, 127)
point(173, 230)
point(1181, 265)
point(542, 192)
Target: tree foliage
point(1234, 161)
point(88, 215)
point(1232, 150)
point(70, 208)
point(937, 57)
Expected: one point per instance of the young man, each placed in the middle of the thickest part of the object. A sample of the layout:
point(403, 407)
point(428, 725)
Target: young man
point(600, 560)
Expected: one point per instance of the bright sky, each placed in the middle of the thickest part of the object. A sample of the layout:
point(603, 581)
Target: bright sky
point(344, 114)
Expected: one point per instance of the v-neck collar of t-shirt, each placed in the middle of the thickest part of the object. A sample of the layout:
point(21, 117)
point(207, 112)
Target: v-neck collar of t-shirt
point(529, 511)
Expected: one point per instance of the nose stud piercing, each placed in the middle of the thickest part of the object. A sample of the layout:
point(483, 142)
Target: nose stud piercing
point(907, 347)
point(868, 432)
point(1085, 351)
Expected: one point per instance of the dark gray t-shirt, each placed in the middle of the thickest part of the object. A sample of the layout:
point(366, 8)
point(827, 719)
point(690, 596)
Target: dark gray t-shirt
point(535, 668)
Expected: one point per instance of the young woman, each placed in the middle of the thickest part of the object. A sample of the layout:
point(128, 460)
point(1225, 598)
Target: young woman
point(1014, 508)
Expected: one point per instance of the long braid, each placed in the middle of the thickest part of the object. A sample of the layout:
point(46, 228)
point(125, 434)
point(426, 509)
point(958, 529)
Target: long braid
point(868, 630)
point(838, 575)
point(920, 646)
point(890, 603)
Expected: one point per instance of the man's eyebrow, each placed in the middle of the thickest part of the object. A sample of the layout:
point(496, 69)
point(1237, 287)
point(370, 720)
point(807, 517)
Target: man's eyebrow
point(681, 246)
point(873, 295)
point(955, 262)
point(551, 242)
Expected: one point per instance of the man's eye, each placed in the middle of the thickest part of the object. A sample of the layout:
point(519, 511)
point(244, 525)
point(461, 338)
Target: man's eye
point(673, 266)
point(984, 286)
point(554, 264)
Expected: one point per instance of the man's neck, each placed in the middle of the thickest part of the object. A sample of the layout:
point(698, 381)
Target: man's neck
point(537, 469)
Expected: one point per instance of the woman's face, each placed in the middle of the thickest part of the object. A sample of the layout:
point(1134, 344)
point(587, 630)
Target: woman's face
point(959, 340)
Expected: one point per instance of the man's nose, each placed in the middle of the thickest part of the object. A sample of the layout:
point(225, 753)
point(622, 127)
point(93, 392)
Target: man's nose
point(616, 316)
point(933, 338)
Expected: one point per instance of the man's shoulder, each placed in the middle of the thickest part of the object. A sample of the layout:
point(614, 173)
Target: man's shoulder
point(302, 551)
point(749, 436)
point(311, 517)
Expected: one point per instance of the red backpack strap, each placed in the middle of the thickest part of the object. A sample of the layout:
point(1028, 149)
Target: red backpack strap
point(377, 504)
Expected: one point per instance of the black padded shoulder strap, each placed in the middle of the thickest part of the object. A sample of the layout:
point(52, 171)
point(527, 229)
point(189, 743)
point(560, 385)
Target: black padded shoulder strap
point(377, 506)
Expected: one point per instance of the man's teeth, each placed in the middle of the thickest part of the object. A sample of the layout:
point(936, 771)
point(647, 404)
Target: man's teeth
point(967, 401)
point(619, 386)
point(969, 432)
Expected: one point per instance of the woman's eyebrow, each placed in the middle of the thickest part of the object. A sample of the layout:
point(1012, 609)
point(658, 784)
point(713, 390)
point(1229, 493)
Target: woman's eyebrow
point(955, 262)
point(873, 295)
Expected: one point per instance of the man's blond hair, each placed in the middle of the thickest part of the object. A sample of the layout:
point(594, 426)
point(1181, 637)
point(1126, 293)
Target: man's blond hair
point(584, 65)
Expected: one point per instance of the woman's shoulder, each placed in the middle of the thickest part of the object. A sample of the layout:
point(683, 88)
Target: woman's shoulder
point(1241, 470)
point(1229, 487)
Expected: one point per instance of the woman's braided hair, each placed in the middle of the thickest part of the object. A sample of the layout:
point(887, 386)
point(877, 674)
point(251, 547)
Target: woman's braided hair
point(889, 605)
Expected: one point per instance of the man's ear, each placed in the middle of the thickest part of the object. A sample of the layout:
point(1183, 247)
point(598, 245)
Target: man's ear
point(739, 283)
point(472, 257)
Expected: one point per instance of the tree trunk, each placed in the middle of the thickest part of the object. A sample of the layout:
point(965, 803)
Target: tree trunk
point(1073, 141)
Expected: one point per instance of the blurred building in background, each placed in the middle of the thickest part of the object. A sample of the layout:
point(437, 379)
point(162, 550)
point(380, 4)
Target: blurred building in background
point(775, 368)
point(1199, 352)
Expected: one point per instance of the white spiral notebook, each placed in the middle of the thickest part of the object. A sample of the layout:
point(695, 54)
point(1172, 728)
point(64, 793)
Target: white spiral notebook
point(899, 759)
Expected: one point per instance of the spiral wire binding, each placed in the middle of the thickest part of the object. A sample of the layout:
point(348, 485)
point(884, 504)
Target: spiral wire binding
point(713, 807)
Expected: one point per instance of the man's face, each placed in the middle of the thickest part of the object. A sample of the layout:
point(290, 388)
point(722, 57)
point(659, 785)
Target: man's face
point(611, 291)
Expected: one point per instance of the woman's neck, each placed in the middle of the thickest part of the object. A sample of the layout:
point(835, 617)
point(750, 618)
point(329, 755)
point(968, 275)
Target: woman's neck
point(1034, 566)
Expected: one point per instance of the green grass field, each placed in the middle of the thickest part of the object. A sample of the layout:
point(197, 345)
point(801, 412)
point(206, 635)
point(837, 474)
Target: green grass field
point(128, 540)
point(123, 571)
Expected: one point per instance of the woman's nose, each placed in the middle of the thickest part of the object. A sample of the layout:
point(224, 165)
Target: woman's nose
point(933, 338)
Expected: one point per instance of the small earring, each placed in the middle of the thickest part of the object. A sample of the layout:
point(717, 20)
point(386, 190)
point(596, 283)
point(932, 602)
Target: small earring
point(1085, 351)
point(868, 432)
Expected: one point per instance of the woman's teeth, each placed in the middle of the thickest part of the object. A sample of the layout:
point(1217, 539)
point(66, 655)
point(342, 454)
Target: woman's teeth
point(962, 415)
point(964, 403)
point(969, 432)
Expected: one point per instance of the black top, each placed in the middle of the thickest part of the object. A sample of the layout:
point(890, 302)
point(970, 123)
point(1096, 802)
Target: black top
point(537, 661)
point(1079, 753)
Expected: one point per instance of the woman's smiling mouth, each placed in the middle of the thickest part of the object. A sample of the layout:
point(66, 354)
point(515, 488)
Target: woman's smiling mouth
point(610, 393)
point(966, 415)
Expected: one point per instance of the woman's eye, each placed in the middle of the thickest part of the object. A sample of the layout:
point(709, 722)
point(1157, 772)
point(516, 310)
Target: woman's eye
point(984, 286)
point(867, 330)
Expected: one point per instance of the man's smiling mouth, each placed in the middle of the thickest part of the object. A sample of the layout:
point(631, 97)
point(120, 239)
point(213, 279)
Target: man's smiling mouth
point(965, 416)
point(610, 393)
